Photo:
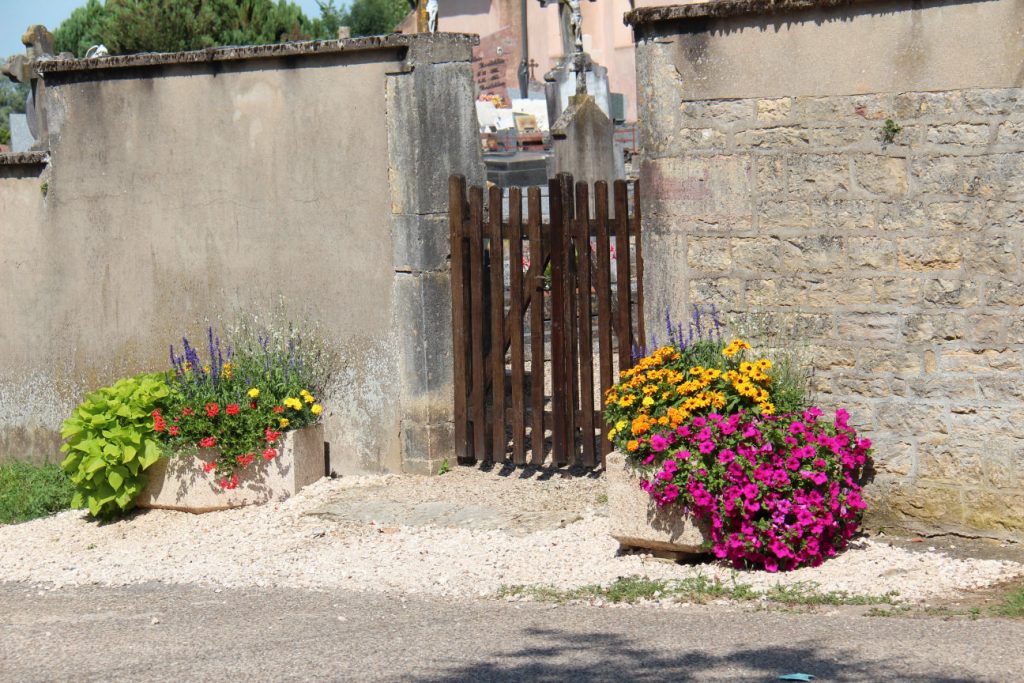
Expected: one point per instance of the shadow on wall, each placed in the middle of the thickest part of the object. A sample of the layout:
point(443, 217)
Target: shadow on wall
point(555, 656)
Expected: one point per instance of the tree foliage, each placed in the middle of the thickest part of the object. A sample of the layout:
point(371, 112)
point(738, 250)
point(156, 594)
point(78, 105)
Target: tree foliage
point(12, 101)
point(373, 17)
point(130, 26)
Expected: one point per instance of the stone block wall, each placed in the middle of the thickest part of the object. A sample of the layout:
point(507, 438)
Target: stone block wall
point(893, 257)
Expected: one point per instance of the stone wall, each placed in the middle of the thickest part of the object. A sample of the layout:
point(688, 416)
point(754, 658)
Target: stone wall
point(188, 188)
point(773, 185)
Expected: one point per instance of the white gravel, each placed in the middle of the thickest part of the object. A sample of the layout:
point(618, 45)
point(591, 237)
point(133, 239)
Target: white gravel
point(279, 545)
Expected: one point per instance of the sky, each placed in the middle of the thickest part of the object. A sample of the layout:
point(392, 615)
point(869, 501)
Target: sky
point(17, 15)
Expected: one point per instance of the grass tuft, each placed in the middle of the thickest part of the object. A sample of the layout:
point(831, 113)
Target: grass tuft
point(698, 589)
point(31, 491)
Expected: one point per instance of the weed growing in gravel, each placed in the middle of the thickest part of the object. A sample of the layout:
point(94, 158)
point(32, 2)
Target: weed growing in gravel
point(808, 593)
point(1013, 605)
point(697, 589)
point(32, 491)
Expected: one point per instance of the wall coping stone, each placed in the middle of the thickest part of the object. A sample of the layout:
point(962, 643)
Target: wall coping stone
point(24, 159)
point(730, 8)
point(424, 44)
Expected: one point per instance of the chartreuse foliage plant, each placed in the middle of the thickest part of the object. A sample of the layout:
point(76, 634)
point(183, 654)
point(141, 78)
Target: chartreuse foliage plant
point(110, 442)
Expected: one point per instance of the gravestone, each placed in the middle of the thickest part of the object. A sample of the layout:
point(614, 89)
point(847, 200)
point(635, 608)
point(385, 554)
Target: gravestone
point(21, 138)
point(582, 139)
point(561, 83)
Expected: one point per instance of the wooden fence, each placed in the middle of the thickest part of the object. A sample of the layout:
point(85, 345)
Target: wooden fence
point(526, 335)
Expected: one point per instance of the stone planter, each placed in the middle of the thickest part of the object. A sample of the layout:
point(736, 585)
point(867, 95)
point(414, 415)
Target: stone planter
point(636, 522)
point(179, 483)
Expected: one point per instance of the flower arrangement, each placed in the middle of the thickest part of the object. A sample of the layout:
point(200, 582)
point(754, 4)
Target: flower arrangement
point(717, 432)
point(239, 401)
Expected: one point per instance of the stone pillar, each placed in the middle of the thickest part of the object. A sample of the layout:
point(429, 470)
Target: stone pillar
point(432, 133)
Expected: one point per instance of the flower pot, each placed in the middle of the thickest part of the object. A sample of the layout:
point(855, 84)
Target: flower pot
point(179, 483)
point(637, 522)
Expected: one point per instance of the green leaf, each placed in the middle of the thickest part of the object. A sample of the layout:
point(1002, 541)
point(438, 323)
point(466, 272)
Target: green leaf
point(128, 454)
point(94, 505)
point(150, 454)
point(77, 501)
point(116, 476)
point(94, 463)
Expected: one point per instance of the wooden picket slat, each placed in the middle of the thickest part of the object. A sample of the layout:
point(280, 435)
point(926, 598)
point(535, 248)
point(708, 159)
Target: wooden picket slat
point(535, 282)
point(638, 250)
point(623, 325)
point(604, 303)
point(491, 312)
point(478, 372)
point(586, 343)
point(460, 284)
point(559, 398)
point(497, 352)
point(515, 259)
point(570, 312)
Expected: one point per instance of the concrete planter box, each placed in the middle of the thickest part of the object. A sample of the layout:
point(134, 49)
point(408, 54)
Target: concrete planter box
point(636, 522)
point(179, 483)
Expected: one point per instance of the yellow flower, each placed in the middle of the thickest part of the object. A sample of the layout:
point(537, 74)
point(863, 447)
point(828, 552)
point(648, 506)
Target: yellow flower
point(632, 445)
point(767, 408)
point(227, 370)
point(254, 393)
point(316, 409)
point(648, 401)
point(307, 397)
point(283, 422)
point(626, 401)
point(293, 403)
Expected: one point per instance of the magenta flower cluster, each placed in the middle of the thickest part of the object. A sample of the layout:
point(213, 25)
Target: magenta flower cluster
point(779, 492)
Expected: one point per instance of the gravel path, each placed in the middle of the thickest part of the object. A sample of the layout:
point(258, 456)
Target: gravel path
point(283, 545)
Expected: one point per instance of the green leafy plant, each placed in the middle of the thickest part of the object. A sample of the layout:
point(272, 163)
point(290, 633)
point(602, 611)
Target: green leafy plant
point(110, 442)
point(890, 129)
point(444, 468)
point(45, 189)
point(31, 491)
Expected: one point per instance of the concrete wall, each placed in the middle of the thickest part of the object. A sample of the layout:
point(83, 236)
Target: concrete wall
point(181, 188)
point(769, 187)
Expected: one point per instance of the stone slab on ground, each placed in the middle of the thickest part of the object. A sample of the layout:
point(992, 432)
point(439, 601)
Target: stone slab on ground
point(370, 508)
point(636, 522)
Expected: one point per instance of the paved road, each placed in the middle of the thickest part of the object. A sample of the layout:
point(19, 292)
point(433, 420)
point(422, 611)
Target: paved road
point(109, 634)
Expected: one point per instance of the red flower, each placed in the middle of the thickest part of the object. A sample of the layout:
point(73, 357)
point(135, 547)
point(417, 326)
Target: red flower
point(246, 460)
point(174, 430)
point(232, 409)
point(158, 422)
point(229, 483)
point(271, 435)
point(209, 467)
point(278, 409)
point(270, 454)
point(187, 411)
point(253, 405)
point(212, 409)
point(208, 442)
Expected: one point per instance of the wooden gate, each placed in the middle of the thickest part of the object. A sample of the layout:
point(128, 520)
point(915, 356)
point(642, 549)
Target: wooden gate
point(537, 297)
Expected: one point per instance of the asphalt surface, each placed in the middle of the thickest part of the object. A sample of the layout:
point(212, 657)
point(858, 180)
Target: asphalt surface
point(157, 632)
